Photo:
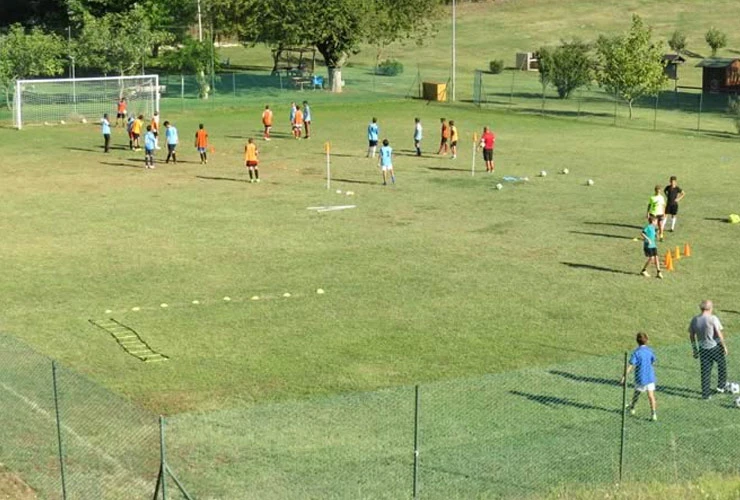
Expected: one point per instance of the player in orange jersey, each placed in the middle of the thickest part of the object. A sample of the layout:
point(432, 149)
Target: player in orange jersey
point(251, 160)
point(201, 144)
point(267, 122)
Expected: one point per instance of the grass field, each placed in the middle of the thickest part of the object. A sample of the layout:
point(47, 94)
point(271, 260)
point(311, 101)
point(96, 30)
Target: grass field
point(512, 308)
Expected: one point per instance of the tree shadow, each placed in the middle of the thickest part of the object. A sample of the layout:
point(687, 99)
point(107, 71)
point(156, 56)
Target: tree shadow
point(602, 235)
point(680, 392)
point(449, 169)
point(354, 181)
point(127, 165)
point(554, 401)
point(232, 179)
point(729, 311)
point(614, 224)
point(596, 268)
point(83, 150)
point(716, 219)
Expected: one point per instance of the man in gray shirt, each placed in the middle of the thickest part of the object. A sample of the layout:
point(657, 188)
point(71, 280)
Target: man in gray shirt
point(708, 344)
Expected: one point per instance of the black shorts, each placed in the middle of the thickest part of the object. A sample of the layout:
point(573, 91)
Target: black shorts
point(672, 209)
point(454, 144)
point(171, 148)
point(120, 115)
point(134, 135)
point(156, 134)
point(443, 141)
point(372, 144)
point(650, 252)
point(148, 152)
point(488, 155)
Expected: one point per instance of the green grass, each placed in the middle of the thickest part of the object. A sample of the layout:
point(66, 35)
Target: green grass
point(484, 297)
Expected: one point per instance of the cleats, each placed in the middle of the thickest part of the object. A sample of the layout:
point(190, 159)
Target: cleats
point(645, 273)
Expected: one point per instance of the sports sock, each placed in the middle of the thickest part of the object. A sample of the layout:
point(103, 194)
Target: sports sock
point(393, 178)
point(250, 174)
point(673, 223)
point(257, 173)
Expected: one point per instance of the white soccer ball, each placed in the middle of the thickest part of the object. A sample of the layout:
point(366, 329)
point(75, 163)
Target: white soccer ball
point(543, 173)
point(590, 182)
point(339, 191)
point(320, 291)
point(566, 171)
point(350, 193)
point(525, 179)
point(62, 122)
point(84, 121)
point(735, 388)
point(499, 186)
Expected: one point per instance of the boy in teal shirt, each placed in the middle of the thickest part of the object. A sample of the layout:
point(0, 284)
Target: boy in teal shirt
point(650, 246)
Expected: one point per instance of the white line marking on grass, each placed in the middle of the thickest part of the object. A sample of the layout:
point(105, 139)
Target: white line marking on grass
point(331, 208)
point(35, 407)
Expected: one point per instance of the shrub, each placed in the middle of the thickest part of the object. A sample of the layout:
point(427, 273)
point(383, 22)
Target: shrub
point(715, 39)
point(496, 66)
point(734, 111)
point(389, 67)
point(677, 42)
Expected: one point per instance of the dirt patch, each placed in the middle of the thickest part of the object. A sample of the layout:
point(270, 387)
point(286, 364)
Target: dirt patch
point(12, 487)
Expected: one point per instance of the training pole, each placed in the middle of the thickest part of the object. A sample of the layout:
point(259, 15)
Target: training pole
point(623, 434)
point(475, 143)
point(327, 148)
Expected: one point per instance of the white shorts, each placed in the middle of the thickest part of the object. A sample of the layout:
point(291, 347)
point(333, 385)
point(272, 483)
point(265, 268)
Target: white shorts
point(646, 387)
point(385, 168)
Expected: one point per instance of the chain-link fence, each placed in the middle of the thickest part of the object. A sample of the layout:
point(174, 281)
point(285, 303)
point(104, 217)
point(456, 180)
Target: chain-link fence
point(521, 434)
point(680, 108)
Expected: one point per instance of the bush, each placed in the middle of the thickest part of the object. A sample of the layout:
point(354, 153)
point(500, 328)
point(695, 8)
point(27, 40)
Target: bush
point(734, 111)
point(389, 67)
point(715, 39)
point(496, 66)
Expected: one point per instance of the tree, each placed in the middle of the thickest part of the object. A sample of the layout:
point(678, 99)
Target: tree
point(194, 57)
point(567, 67)
point(28, 54)
point(677, 42)
point(50, 14)
point(630, 65)
point(715, 39)
point(337, 28)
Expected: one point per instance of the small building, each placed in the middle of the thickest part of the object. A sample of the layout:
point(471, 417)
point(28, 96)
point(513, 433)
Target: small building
point(671, 63)
point(720, 74)
point(527, 61)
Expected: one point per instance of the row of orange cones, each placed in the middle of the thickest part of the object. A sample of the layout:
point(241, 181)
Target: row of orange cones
point(669, 258)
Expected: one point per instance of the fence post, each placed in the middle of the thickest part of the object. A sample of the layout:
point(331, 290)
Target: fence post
point(182, 91)
point(624, 418)
point(162, 458)
point(233, 82)
point(511, 94)
point(616, 93)
point(655, 115)
point(416, 442)
point(701, 104)
point(59, 429)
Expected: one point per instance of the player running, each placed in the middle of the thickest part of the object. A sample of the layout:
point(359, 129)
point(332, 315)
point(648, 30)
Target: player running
point(251, 160)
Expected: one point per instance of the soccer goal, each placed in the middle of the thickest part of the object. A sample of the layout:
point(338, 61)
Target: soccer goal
point(83, 99)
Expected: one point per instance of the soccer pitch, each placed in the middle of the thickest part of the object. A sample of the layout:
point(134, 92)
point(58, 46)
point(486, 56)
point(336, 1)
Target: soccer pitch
point(512, 309)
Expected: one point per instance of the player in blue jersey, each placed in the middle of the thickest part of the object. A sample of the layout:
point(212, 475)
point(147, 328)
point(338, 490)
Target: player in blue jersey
point(641, 361)
point(172, 139)
point(373, 131)
point(385, 162)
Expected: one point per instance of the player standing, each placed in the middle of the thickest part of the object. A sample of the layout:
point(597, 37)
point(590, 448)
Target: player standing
point(172, 139)
point(136, 131)
point(673, 195)
point(650, 246)
point(642, 360)
point(201, 144)
point(656, 208)
point(385, 161)
point(488, 143)
point(121, 111)
point(373, 131)
point(445, 136)
point(453, 139)
point(267, 122)
point(130, 129)
point(251, 160)
point(418, 134)
point(155, 127)
point(293, 109)
point(150, 142)
point(297, 123)
point(105, 125)
point(307, 119)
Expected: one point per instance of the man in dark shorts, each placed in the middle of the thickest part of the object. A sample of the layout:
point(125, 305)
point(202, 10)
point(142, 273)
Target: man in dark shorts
point(488, 142)
point(673, 194)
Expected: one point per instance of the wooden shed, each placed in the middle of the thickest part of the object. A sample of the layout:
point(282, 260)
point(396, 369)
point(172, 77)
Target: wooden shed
point(671, 63)
point(720, 74)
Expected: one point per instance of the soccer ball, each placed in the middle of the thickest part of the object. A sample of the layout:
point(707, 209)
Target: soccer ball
point(566, 171)
point(499, 186)
point(590, 182)
point(62, 122)
point(732, 387)
point(84, 121)
point(543, 173)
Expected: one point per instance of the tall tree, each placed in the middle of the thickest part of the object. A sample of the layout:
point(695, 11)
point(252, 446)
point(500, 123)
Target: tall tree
point(51, 14)
point(566, 67)
point(631, 64)
point(27, 54)
point(715, 39)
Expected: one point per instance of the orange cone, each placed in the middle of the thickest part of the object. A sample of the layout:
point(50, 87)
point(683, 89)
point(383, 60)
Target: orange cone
point(668, 261)
point(686, 250)
point(677, 254)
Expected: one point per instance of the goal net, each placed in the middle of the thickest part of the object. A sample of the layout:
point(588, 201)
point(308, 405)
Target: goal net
point(83, 99)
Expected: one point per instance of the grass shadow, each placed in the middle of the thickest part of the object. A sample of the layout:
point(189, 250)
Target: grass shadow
point(602, 235)
point(354, 181)
point(680, 392)
point(614, 224)
point(555, 401)
point(232, 179)
point(127, 165)
point(448, 169)
point(596, 268)
point(716, 219)
point(729, 311)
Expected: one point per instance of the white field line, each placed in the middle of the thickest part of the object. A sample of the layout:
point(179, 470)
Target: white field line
point(35, 407)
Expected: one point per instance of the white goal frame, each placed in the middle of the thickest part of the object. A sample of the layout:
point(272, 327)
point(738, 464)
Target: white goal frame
point(126, 87)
